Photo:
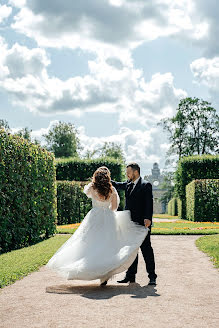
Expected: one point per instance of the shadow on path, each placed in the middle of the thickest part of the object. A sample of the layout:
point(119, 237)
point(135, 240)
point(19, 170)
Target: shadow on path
point(101, 293)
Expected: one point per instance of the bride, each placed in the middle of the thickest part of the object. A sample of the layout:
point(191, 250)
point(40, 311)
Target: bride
point(106, 242)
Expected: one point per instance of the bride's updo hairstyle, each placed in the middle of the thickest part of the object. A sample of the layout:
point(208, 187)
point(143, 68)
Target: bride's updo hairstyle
point(102, 181)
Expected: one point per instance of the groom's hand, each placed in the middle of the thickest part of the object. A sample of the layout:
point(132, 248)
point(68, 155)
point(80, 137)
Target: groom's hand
point(147, 223)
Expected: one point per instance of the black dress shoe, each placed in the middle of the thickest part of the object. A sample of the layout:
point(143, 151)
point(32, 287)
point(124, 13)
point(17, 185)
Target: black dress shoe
point(152, 282)
point(103, 283)
point(126, 279)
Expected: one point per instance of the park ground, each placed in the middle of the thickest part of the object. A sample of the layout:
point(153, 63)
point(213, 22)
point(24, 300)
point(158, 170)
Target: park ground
point(186, 294)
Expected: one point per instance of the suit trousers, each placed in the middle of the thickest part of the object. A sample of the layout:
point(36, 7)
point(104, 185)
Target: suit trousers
point(148, 255)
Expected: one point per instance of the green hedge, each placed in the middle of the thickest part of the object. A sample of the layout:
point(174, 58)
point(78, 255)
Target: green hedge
point(179, 208)
point(202, 200)
point(27, 193)
point(74, 169)
point(72, 203)
point(194, 167)
point(172, 207)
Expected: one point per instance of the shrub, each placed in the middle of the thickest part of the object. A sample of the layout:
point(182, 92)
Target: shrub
point(172, 207)
point(179, 208)
point(202, 199)
point(72, 203)
point(74, 169)
point(194, 167)
point(27, 193)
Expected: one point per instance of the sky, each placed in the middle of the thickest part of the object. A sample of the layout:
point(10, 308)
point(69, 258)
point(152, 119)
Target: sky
point(113, 68)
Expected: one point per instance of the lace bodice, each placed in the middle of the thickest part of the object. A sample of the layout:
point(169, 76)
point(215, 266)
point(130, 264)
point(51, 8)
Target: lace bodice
point(97, 201)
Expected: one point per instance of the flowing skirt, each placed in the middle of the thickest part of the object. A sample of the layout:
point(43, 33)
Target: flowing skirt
point(106, 243)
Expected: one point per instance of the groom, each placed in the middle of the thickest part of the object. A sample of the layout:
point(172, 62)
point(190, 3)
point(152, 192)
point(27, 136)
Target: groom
point(139, 200)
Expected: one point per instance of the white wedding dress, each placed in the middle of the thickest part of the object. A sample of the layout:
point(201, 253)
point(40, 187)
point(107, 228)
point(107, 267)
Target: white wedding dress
point(106, 242)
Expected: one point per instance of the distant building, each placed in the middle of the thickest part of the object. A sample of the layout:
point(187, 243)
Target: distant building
point(156, 180)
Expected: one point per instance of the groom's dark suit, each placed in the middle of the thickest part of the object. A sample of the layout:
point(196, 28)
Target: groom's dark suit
point(140, 204)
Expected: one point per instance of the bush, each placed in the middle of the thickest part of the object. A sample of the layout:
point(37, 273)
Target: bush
point(179, 208)
point(72, 203)
point(27, 193)
point(194, 167)
point(172, 207)
point(74, 169)
point(202, 200)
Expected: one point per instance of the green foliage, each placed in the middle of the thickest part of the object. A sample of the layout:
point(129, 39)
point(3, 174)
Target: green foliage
point(194, 129)
point(27, 193)
point(62, 140)
point(168, 186)
point(74, 169)
point(4, 125)
point(72, 203)
point(83, 169)
point(202, 199)
point(194, 167)
point(112, 150)
point(172, 207)
point(210, 245)
point(179, 208)
point(24, 133)
point(108, 150)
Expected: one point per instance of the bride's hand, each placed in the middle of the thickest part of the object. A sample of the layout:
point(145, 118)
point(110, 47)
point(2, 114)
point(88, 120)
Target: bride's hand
point(147, 223)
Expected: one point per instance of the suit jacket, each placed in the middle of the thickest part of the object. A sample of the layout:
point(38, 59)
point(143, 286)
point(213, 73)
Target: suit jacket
point(140, 201)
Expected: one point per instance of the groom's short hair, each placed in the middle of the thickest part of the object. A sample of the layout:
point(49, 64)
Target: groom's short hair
point(134, 166)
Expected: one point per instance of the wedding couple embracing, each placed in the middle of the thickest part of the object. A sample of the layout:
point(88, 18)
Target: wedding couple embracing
point(107, 241)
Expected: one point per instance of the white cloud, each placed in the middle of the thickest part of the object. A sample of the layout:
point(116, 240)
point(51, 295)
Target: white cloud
point(93, 25)
point(204, 29)
point(206, 71)
point(22, 61)
point(17, 3)
point(112, 85)
point(38, 134)
point(5, 12)
point(143, 146)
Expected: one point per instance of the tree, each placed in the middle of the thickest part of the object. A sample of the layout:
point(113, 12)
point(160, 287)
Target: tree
point(4, 125)
point(194, 130)
point(62, 140)
point(24, 133)
point(90, 154)
point(168, 185)
point(111, 149)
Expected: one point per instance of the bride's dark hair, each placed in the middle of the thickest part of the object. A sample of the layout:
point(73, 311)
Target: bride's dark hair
point(102, 181)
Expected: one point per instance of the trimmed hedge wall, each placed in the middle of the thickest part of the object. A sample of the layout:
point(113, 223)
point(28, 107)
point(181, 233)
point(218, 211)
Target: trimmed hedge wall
point(202, 200)
point(179, 208)
point(27, 193)
point(194, 167)
point(172, 207)
point(72, 203)
point(74, 169)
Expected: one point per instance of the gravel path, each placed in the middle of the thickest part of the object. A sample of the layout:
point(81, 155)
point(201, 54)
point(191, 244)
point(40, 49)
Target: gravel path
point(186, 295)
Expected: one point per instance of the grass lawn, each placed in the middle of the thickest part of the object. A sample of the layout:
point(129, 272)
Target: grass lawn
point(164, 216)
point(18, 263)
point(210, 245)
point(180, 227)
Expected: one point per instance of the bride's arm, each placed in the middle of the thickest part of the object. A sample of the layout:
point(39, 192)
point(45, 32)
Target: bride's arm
point(88, 189)
point(114, 200)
